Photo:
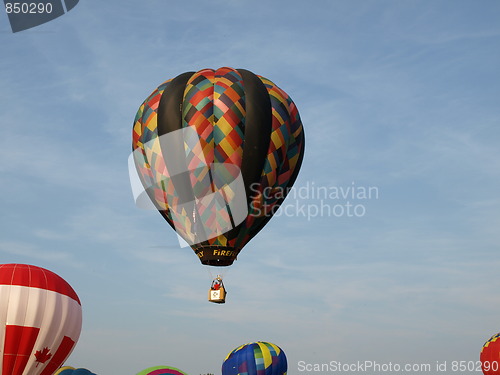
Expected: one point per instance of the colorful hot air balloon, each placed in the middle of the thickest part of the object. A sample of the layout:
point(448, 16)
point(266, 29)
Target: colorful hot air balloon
point(490, 356)
point(161, 370)
point(255, 358)
point(64, 370)
point(68, 370)
point(40, 320)
point(217, 152)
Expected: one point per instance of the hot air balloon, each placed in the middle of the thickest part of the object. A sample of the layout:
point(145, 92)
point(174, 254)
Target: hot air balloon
point(255, 358)
point(40, 320)
point(161, 370)
point(63, 369)
point(490, 356)
point(68, 370)
point(217, 151)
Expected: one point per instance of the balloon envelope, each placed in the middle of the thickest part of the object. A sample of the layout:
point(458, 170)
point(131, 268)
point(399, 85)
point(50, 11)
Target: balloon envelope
point(40, 320)
point(256, 358)
point(63, 369)
point(67, 370)
point(490, 356)
point(217, 151)
point(161, 370)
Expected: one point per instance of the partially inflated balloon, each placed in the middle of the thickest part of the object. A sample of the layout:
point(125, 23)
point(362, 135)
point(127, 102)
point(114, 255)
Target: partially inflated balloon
point(256, 358)
point(63, 370)
point(40, 320)
point(68, 370)
point(161, 370)
point(218, 151)
point(490, 356)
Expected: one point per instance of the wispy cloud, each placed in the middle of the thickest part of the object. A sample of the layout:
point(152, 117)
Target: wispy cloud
point(27, 250)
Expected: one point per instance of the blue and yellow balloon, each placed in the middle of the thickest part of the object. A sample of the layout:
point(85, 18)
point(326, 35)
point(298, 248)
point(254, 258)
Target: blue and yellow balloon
point(256, 358)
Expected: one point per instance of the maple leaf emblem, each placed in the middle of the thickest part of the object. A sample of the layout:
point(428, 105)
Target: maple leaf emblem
point(42, 356)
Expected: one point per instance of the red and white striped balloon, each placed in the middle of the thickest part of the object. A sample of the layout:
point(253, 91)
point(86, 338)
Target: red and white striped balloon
point(40, 320)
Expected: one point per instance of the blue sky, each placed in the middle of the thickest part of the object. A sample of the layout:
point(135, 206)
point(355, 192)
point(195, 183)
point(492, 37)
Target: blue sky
point(401, 96)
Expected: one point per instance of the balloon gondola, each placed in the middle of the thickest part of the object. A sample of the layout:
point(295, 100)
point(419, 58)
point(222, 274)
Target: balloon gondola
point(217, 292)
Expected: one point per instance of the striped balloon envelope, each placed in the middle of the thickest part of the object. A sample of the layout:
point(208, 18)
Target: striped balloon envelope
point(40, 320)
point(255, 358)
point(161, 370)
point(217, 152)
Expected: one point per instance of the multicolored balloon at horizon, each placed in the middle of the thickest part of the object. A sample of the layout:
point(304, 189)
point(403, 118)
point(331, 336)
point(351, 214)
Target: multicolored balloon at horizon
point(490, 356)
point(40, 320)
point(255, 358)
point(217, 151)
point(68, 370)
point(161, 370)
